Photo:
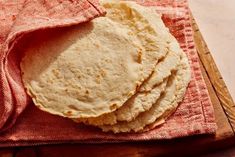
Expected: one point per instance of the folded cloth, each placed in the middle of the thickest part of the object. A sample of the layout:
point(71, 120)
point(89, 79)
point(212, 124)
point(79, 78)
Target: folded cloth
point(195, 115)
point(18, 18)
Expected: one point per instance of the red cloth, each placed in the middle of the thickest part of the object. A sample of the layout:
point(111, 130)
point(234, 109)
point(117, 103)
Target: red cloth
point(195, 115)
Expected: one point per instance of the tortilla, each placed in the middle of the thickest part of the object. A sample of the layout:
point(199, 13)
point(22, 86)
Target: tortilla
point(141, 101)
point(86, 70)
point(143, 21)
point(170, 109)
point(174, 93)
point(133, 16)
point(138, 103)
point(152, 35)
point(162, 70)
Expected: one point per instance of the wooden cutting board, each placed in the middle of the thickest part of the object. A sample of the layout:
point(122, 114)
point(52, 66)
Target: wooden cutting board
point(225, 119)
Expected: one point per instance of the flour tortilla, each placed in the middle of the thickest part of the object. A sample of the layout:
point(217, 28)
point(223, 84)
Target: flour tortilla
point(141, 101)
point(174, 93)
point(87, 70)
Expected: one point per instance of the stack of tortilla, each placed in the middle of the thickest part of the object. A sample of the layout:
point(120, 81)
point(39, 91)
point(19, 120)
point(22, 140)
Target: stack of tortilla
point(123, 72)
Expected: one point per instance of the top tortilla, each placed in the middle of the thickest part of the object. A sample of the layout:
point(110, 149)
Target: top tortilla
point(87, 70)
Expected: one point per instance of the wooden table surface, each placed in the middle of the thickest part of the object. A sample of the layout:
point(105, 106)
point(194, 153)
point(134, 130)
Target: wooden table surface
point(222, 144)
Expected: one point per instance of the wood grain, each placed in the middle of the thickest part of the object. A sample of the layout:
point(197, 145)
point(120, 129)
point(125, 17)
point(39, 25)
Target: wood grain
point(214, 76)
point(224, 129)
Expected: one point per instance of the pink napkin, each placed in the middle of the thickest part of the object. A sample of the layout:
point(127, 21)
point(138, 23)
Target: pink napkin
point(195, 115)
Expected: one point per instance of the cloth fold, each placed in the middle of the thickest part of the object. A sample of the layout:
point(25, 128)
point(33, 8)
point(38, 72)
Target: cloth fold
point(195, 115)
